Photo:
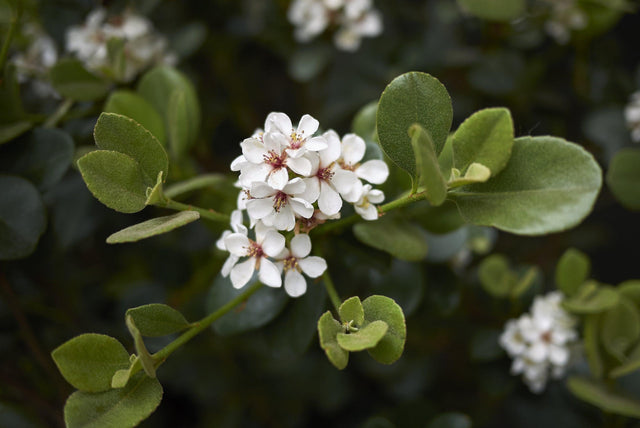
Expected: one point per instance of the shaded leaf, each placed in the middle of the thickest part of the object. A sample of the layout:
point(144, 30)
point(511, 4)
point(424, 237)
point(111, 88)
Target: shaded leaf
point(427, 166)
point(13, 130)
point(599, 395)
point(364, 122)
point(494, 10)
point(328, 330)
point(402, 240)
point(450, 420)
point(572, 271)
point(132, 105)
point(592, 344)
point(201, 181)
point(592, 299)
point(73, 81)
point(620, 328)
point(391, 346)
point(495, 275)
point(156, 319)
point(631, 364)
point(623, 177)
point(153, 227)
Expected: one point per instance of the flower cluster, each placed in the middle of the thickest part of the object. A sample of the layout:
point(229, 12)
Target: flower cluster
point(354, 18)
point(291, 180)
point(539, 341)
point(141, 45)
point(632, 116)
point(566, 16)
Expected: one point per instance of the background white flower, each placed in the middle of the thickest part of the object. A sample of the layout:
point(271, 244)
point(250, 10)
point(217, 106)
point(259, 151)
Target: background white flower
point(632, 116)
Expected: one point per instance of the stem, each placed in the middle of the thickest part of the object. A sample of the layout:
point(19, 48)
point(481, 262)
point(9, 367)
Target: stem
point(208, 214)
point(57, 115)
point(331, 290)
point(10, 33)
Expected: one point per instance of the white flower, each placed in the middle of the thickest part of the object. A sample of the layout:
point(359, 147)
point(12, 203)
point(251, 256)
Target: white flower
point(278, 208)
point(538, 341)
point(297, 260)
point(374, 171)
point(310, 17)
point(298, 141)
point(365, 205)
point(632, 116)
point(268, 243)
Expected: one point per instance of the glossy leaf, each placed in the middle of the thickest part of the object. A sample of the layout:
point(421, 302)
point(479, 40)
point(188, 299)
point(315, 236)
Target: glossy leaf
point(117, 408)
point(156, 319)
point(592, 299)
point(572, 271)
point(128, 103)
point(115, 179)
point(412, 98)
point(402, 240)
point(328, 330)
point(89, 361)
point(122, 134)
point(73, 81)
point(495, 275)
point(620, 328)
point(391, 346)
point(153, 227)
point(623, 177)
point(427, 167)
point(548, 185)
point(599, 395)
point(495, 10)
point(365, 338)
point(22, 217)
point(486, 138)
point(351, 311)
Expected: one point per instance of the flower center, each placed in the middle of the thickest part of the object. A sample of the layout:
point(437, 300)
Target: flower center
point(255, 250)
point(546, 337)
point(296, 140)
point(276, 161)
point(290, 263)
point(347, 166)
point(280, 199)
point(325, 174)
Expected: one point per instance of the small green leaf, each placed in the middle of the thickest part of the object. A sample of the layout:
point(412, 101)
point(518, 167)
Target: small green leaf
point(155, 194)
point(592, 299)
point(600, 396)
point(146, 360)
point(495, 10)
point(529, 278)
point(631, 290)
point(89, 361)
point(402, 240)
point(486, 138)
point(153, 227)
point(120, 378)
point(592, 344)
point(364, 122)
point(155, 319)
point(631, 364)
point(548, 185)
point(351, 310)
point(620, 328)
point(427, 167)
point(22, 217)
point(178, 123)
point(391, 346)
point(450, 420)
point(122, 134)
point(495, 275)
point(115, 179)
point(73, 81)
point(623, 177)
point(365, 338)
point(119, 408)
point(328, 330)
point(572, 271)
point(476, 173)
point(412, 98)
point(132, 105)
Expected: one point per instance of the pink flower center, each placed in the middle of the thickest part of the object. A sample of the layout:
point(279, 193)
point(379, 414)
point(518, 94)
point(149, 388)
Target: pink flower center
point(296, 140)
point(255, 250)
point(274, 160)
point(291, 262)
point(325, 174)
point(280, 199)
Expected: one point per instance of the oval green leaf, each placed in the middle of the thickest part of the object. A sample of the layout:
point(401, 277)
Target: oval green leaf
point(496, 277)
point(351, 311)
point(412, 98)
point(178, 123)
point(620, 328)
point(156, 319)
point(548, 185)
point(623, 177)
point(365, 338)
point(115, 179)
point(600, 396)
point(592, 299)
point(153, 227)
point(89, 361)
point(428, 172)
point(402, 240)
point(391, 346)
point(494, 10)
point(119, 408)
point(328, 330)
point(631, 290)
point(572, 271)
point(631, 364)
point(72, 80)
point(130, 104)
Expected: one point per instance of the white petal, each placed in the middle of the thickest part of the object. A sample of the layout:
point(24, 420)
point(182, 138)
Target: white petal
point(353, 148)
point(252, 173)
point(301, 207)
point(370, 212)
point(261, 190)
point(253, 150)
point(278, 178)
point(333, 150)
point(313, 266)
point(294, 283)
point(300, 245)
point(273, 243)
point(237, 163)
point(344, 180)
point(242, 272)
point(301, 165)
point(308, 126)
point(294, 186)
point(375, 196)
point(228, 265)
point(220, 242)
point(558, 355)
point(279, 122)
point(355, 193)
point(285, 219)
point(259, 208)
point(237, 244)
point(275, 141)
point(311, 191)
point(329, 201)
point(316, 144)
point(374, 171)
point(269, 273)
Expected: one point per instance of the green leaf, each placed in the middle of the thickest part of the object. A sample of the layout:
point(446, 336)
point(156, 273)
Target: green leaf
point(592, 299)
point(122, 134)
point(153, 227)
point(445, 158)
point(572, 271)
point(450, 420)
point(631, 364)
point(204, 180)
point(365, 338)
point(441, 220)
point(118, 408)
point(364, 122)
point(155, 320)
point(623, 177)
point(494, 10)
point(22, 217)
point(261, 308)
point(476, 173)
point(631, 290)
point(11, 110)
point(391, 346)
point(427, 167)
point(115, 179)
point(402, 240)
point(496, 277)
point(155, 194)
point(178, 123)
point(146, 360)
point(73, 81)
point(548, 185)
point(412, 98)
point(599, 395)
point(525, 282)
point(486, 137)
point(328, 330)
point(158, 86)
point(620, 328)
point(132, 105)
point(89, 361)
point(351, 310)
point(592, 344)
point(13, 130)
